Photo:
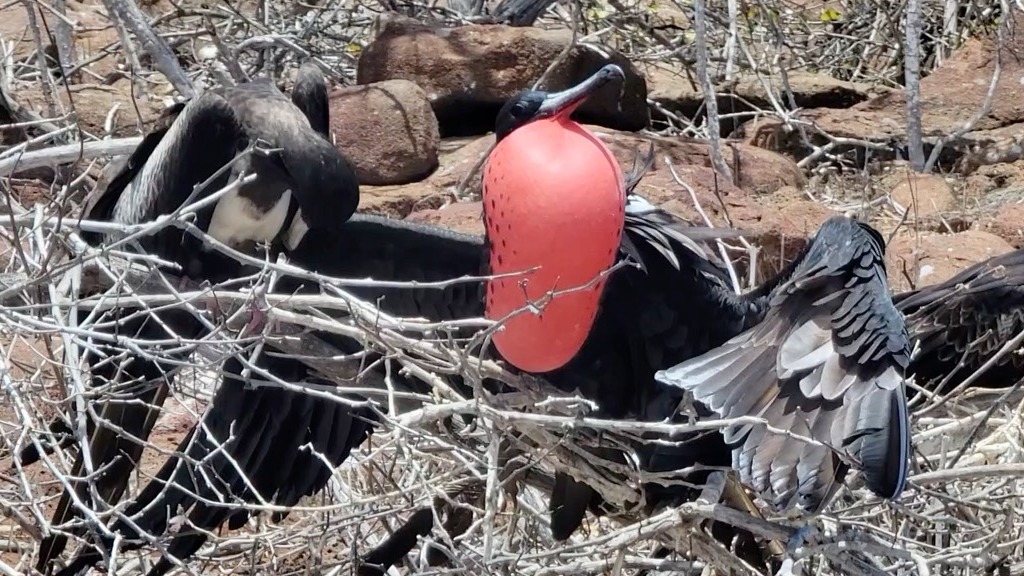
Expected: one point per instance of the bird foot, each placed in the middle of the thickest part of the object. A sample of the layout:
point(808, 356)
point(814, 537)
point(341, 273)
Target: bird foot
point(256, 323)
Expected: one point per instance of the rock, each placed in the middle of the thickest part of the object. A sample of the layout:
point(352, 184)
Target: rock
point(457, 164)
point(779, 226)
point(925, 195)
point(387, 129)
point(399, 201)
point(756, 170)
point(1008, 224)
point(466, 217)
point(470, 71)
point(771, 134)
point(954, 92)
point(929, 257)
point(681, 93)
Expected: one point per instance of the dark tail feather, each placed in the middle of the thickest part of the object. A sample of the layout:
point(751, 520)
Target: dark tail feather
point(569, 502)
point(882, 434)
point(395, 547)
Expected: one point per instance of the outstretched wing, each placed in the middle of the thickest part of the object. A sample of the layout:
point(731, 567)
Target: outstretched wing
point(268, 444)
point(826, 363)
point(960, 324)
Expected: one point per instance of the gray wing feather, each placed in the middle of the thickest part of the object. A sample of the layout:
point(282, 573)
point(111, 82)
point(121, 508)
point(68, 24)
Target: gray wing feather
point(827, 364)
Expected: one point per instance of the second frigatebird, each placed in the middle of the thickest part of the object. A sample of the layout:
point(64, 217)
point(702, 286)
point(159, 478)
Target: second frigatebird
point(302, 183)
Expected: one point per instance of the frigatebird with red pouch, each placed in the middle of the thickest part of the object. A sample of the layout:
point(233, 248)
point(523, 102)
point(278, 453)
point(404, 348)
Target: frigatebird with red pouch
point(566, 216)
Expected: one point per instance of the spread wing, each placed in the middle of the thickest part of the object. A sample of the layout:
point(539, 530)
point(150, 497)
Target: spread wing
point(826, 363)
point(268, 444)
point(960, 324)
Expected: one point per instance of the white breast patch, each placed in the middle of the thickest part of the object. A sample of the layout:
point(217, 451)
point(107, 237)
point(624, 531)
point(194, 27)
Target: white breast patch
point(236, 219)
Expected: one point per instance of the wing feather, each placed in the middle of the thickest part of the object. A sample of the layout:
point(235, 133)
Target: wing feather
point(837, 349)
point(960, 324)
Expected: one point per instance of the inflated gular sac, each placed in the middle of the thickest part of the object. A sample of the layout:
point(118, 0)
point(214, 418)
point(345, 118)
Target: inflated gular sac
point(557, 226)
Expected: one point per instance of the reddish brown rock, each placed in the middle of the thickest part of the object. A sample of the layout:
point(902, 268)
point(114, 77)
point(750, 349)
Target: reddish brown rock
point(756, 170)
point(1008, 224)
point(464, 217)
point(388, 131)
point(927, 257)
point(675, 89)
point(950, 95)
point(470, 71)
point(924, 195)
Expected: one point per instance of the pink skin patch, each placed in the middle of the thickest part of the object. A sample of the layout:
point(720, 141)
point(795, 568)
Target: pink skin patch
point(553, 198)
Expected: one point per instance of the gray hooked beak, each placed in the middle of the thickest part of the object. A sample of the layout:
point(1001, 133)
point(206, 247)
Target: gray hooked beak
point(566, 101)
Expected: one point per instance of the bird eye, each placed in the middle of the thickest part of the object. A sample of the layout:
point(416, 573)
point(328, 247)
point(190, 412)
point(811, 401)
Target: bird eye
point(519, 109)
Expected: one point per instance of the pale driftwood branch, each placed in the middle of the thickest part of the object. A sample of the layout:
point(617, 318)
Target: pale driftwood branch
point(164, 59)
point(66, 154)
point(912, 75)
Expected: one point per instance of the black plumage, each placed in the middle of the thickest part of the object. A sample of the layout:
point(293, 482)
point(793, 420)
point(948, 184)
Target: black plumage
point(192, 144)
point(676, 305)
point(616, 352)
point(826, 362)
point(960, 324)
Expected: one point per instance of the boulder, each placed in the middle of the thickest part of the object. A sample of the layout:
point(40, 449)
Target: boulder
point(387, 129)
point(924, 195)
point(950, 95)
point(1008, 224)
point(921, 259)
point(466, 217)
point(470, 71)
point(679, 91)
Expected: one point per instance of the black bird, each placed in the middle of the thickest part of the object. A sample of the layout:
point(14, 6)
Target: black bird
point(962, 323)
point(296, 168)
point(621, 349)
point(672, 307)
point(826, 360)
point(819, 351)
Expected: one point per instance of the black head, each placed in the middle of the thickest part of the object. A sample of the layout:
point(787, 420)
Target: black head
point(323, 180)
point(531, 105)
point(310, 95)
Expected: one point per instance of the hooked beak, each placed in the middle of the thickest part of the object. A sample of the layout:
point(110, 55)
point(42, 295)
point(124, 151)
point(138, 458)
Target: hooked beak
point(566, 101)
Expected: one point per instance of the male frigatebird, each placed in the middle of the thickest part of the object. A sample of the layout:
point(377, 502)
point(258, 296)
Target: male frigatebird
point(302, 183)
point(622, 348)
point(673, 307)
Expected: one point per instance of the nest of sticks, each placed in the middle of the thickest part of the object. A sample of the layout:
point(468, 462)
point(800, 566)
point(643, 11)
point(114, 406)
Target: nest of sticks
point(486, 477)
